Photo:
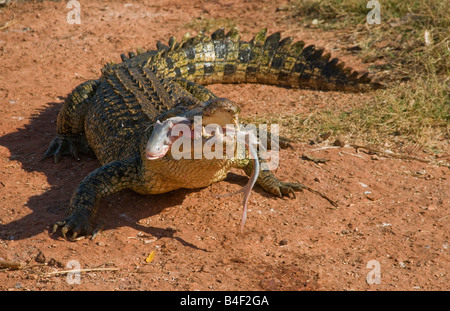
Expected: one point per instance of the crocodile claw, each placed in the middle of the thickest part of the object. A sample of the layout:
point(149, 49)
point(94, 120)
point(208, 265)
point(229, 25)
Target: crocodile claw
point(286, 189)
point(66, 144)
point(77, 223)
point(59, 146)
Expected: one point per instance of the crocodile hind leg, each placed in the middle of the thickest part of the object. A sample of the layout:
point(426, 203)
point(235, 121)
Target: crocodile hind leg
point(104, 181)
point(70, 138)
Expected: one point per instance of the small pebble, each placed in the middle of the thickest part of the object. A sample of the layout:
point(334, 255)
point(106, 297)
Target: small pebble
point(40, 258)
point(370, 197)
point(339, 143)
point(283, 242)
point(54, 263)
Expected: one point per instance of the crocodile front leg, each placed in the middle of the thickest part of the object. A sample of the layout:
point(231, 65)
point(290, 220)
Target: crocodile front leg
point(270, 183)
point(104, 181)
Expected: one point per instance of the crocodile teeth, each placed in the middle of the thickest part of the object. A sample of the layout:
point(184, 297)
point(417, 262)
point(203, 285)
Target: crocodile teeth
point(217, 133)
point(204, 134)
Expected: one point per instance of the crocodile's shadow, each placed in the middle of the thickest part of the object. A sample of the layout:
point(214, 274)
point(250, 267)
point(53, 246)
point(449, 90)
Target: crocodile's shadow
point(27, 146)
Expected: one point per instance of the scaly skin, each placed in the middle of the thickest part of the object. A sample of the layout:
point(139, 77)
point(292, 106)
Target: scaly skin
point(226, 59)
point(113, 116)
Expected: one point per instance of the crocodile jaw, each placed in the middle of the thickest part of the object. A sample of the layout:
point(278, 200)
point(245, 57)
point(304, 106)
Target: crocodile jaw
point(158, 147)
point(219, 117)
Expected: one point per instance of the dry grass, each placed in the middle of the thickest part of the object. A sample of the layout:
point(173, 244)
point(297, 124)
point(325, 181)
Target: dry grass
point(210, 24)
point(415, 108)
point(399, 117)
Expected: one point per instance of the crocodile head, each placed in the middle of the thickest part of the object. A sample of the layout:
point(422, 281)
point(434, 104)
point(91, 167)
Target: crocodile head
point(219, 124)
point(210, 121)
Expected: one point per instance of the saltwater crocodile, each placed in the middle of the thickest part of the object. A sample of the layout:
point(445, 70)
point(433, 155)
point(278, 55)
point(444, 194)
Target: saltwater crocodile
point(114, 116)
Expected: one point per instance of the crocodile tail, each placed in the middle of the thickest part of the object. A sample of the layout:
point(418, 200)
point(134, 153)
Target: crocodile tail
point(224, 58)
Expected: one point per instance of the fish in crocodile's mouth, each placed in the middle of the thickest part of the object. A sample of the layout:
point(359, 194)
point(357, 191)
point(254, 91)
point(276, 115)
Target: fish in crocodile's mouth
point(215, 121)
point(222, 126)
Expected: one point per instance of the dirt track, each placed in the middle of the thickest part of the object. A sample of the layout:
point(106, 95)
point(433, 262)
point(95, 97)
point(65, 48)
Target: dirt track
point(393, 211)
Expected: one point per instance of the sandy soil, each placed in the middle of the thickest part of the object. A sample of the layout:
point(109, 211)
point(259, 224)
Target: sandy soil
point(393, 211)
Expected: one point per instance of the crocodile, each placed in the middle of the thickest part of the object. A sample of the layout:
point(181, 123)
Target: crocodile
point(114, 116)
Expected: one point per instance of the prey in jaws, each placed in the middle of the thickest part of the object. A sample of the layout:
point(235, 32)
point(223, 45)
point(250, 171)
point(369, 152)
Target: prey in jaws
point(166, 133)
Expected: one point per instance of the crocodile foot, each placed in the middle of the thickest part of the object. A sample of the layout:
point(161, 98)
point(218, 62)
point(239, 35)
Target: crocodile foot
point(281, 189)
point(67, 144)
point(77, 223)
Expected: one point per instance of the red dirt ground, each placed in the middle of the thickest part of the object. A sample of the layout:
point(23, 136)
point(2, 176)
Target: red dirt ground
point(300, 243)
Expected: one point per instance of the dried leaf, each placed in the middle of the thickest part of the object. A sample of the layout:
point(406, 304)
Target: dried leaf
point(314, 159)
point(150, 257)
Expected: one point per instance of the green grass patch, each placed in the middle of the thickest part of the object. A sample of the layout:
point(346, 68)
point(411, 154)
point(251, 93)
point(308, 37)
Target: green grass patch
point(341, 13)
point(412, 37)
